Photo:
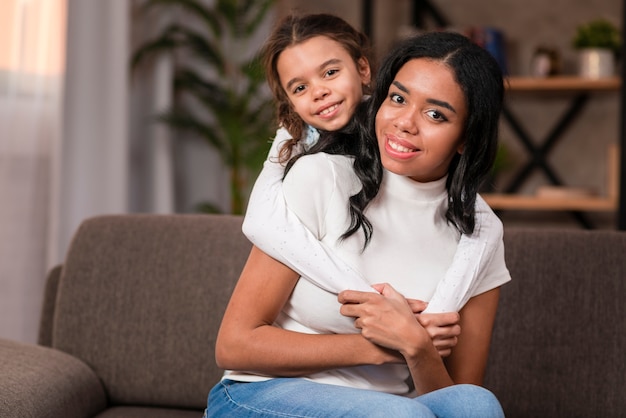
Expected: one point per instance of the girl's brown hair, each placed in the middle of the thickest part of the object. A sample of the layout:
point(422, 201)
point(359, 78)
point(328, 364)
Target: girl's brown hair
point(293, 30)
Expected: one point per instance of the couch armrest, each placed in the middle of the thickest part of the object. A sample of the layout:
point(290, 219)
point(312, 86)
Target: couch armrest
point(37, 381)
point(49, 305)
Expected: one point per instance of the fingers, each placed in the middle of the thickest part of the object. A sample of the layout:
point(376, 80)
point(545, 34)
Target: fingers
point(417, 306)
point(379, 287)
point(446, 319)
point(355, 296)
point(387, 290)
point(444, 347)
point(351, 310)
point(443, 329)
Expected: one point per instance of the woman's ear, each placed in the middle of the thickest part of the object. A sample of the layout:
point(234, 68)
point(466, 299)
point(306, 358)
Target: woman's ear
point(461, 148)
point(363, 66)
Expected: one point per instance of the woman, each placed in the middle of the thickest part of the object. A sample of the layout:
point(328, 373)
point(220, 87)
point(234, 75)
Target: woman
point(294, 349)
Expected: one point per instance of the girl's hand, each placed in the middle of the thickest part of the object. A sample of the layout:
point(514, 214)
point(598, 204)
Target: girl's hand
point(443, 328)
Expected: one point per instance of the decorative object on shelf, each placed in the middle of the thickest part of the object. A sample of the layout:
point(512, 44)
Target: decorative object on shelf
point(546, 62)
point(597, 43)
point(220, 91)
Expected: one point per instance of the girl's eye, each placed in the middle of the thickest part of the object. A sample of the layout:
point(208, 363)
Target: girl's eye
point(298, 89)
point(396, 98)
point(437, 115)
point(330, 73)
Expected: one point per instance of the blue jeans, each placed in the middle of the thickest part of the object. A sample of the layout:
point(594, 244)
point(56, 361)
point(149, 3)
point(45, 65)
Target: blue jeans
point(294, 397)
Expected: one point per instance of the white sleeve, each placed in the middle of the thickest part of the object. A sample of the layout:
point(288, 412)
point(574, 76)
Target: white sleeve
point(478, 264)
point(278, 232)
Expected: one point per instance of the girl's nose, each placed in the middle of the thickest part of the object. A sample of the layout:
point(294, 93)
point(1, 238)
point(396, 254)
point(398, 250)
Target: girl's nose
point(320, 91)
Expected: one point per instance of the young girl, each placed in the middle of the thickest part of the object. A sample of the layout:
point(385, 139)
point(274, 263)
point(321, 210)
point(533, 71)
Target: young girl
point(317, 67)
point(294, 349)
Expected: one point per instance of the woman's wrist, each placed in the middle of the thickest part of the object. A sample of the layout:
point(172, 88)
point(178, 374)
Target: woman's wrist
point(417, 345)
point(378, 355)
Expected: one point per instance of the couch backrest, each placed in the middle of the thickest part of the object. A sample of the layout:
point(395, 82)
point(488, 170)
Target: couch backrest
point(140, 300)
point(559, 344)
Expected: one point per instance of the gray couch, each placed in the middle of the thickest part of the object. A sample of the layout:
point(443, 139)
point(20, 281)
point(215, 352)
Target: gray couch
point(129, 322)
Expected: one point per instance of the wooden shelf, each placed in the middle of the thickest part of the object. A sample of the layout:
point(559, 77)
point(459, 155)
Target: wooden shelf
point(609, 203)
point(521, 202)
point(562, 83)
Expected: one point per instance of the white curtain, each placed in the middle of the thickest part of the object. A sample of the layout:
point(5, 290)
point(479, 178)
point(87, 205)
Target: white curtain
point(31, 80)
point(93, 170)
point(76, 140)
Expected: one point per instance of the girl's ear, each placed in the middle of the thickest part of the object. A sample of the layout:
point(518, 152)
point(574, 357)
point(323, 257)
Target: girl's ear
point(461, 148)
point(363, 66)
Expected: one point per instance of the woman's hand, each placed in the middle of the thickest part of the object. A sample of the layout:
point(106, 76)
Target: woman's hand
point(443, 328)
point(385, 319)
point(388, 320)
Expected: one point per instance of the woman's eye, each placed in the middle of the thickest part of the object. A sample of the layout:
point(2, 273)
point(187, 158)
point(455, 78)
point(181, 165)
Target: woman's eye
point(396, 98)
point(332, 72)
point(298, 89)
point(436, 115)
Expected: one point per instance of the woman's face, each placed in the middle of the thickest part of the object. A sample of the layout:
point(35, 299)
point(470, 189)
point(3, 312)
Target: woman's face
point(322, 81)
point(420, 124)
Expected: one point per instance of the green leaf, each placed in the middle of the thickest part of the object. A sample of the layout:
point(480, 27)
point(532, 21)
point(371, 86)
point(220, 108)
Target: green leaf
point(176, 37)
point(599, 33)
point(261, 8)
point(193, 8)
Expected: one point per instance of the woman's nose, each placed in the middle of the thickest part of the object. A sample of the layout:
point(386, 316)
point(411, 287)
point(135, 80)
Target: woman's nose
point(406, 122)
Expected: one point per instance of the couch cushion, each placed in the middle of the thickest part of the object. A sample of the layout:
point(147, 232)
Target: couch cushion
point(139, 412)
point(141, 298)
point(558, 345)
point(39, 381)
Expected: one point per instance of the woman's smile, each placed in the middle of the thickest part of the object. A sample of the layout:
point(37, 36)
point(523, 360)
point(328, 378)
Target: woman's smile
point(420, 124)
point(400, 146)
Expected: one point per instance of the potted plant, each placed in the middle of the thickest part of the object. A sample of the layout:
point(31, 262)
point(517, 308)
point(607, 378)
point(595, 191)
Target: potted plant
point(598, 43)
point(219, 87)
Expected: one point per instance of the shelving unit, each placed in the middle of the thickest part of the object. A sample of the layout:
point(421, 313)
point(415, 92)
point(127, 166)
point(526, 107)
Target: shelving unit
point(576, 203)
point(581, 90)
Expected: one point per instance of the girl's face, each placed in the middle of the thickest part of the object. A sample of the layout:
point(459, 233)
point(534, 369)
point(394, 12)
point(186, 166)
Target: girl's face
point(420, 124)
point(322, 81)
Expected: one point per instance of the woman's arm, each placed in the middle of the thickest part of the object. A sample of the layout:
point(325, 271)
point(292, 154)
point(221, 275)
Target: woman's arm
point(272, 227)
point(247, 341)
point(468, 360)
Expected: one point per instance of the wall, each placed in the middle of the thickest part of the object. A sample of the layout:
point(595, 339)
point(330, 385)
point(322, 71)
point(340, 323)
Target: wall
point(580, 156)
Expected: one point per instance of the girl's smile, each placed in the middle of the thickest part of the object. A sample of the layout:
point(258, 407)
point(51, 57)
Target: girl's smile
point(322, 81)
